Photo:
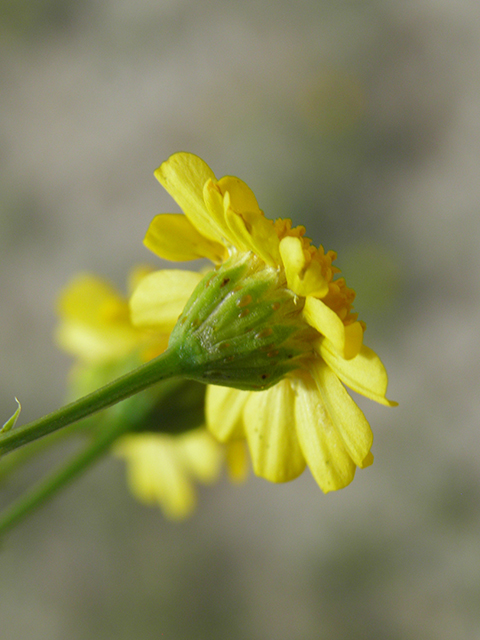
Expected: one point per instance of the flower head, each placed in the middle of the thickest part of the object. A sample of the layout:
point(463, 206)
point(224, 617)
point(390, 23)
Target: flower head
point(162, 468)
point(299, 352)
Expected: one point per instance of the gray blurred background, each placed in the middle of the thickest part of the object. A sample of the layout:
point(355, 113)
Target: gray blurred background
point(359, 120)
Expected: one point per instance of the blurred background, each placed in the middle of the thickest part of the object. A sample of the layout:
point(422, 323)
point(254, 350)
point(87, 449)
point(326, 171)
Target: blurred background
point(359, 120)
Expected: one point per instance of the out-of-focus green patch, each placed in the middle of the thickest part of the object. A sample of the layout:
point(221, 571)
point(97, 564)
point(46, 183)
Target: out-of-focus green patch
point(334, 103)
point(28, 17)
point(454, 502)
point(350, 584)
point(375, 274)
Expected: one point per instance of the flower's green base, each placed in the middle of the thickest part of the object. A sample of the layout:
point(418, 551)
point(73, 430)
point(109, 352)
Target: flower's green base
point(240, 328)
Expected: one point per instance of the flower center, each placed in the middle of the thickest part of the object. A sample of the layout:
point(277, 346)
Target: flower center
point(339, 297)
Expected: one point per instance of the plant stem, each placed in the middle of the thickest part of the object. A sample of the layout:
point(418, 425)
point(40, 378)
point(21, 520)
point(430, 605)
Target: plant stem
point(167, 365)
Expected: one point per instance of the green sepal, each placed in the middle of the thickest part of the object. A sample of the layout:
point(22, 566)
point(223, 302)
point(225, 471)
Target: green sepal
point(241, 328)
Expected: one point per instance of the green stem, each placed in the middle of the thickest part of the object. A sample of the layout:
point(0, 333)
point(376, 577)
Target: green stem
point(48, 487)
point(167, 365)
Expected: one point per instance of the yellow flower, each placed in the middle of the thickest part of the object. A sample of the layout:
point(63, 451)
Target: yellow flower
point(95, 322)
point(308, 417)
point(161, 468)
point(96, 328)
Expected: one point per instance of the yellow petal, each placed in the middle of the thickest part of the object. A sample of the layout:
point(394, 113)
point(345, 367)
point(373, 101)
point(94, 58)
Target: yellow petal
point(247, 221)
point(184, 175)
point(214, 201)
point(160, 297)
point(323, 448)
point(201, 453)
point(156, 475)
point(234, 211)
point(346, 340)
point(173, 237)
point(95, 323)
point(90, 300)
point(364, 374)
point(269, 418)
point(367, 461)
point(136, 275)
point(224, 412)
point(254, 233)
point(301, 279)
point(344, 413)
point(237, 460)
point(242, 198)
point(95, 345)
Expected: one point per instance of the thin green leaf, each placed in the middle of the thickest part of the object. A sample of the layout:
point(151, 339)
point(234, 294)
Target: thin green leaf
point(10, 423)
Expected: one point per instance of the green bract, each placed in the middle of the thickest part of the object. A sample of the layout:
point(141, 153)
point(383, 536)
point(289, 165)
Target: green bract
point(10, 423)
point(240, 327)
